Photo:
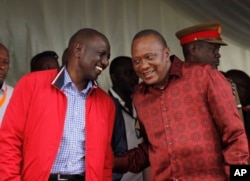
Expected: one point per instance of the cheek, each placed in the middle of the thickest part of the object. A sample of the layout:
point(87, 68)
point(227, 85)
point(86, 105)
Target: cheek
point(138, 73)
point(136, 68)
point(6, 70)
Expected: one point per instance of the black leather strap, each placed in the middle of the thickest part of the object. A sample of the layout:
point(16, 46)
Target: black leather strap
point(66, 177)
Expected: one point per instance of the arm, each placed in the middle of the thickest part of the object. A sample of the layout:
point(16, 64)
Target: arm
point(236, 98)
point(246, 110)
point(227, 120)
point(109, 160)
point(11, 133)
point(119, 138)
point(134, 160)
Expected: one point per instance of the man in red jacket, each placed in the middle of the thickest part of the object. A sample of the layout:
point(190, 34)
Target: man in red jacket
point(58, 125)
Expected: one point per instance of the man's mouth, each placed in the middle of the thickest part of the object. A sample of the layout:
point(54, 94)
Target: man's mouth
point(147, 74)
point(99, 68)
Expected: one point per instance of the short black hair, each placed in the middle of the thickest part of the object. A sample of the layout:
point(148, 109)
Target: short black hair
point(35, 61)
point(116, 62)
point(148, 32)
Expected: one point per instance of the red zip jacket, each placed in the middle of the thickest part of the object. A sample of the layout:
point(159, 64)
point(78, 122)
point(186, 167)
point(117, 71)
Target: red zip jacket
point(32, 129)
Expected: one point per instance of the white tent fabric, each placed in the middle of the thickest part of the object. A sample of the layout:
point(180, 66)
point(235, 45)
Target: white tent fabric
point(32, 26)
point(233, 14)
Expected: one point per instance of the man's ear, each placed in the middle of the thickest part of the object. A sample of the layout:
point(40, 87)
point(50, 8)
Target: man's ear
point(193, 48)
point(77, 50)
point(167, 52)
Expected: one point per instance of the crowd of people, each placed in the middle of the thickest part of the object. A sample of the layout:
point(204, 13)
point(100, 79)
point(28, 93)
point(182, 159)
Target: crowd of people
point(163, 118)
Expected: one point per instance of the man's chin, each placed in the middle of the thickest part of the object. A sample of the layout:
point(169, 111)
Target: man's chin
point(148, 82)
point(1, 80)
point(216, 65)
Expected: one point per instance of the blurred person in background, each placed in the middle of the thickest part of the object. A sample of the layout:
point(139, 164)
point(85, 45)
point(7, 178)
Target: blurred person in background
point(124, 79)
point(44, 61)
point(5, 89)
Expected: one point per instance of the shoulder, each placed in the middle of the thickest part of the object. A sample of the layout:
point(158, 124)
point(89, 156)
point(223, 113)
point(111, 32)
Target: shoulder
point(199, 70)
point(140, 88)
point(198, 66)
point(187, 69)
point(40, 75)
point(9, 87)
point(101, 94)
point(37, 79)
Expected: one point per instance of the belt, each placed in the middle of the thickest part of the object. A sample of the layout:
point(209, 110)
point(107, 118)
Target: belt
point(67, 177)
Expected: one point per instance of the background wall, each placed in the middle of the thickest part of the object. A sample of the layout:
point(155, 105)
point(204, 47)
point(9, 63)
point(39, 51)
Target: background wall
point(28, 27)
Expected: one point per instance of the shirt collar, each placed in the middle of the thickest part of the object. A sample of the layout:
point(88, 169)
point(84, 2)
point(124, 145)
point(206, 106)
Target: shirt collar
point(58, 81)
point(115, 95)
point(176, 67)
point(2, 89)
point(122, 103)
point(68, 82)
point(175, 71)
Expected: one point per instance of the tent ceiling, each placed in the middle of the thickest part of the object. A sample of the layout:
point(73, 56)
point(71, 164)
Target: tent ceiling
point(233, 14)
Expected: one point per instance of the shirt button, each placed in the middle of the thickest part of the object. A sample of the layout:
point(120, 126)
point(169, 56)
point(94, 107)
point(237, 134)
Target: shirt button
point(174, 168)
point(170, 143)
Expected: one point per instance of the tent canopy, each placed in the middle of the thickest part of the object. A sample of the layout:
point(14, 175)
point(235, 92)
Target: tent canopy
point(29, 27)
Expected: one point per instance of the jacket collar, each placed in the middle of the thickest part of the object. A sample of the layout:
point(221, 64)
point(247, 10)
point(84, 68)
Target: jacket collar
point(58, 81)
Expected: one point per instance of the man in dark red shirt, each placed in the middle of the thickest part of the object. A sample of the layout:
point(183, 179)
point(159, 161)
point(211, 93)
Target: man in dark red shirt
point(188, 115)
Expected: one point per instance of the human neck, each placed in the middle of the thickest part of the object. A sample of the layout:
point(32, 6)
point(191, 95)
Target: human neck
point(125, 96)
point(162, 84)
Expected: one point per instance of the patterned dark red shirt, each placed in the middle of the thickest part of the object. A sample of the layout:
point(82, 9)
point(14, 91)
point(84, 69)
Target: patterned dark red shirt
point(192, 125)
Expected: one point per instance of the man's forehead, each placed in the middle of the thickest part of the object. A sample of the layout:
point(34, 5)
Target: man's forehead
point(213, 45)
point(4, 53)
point(207, 44)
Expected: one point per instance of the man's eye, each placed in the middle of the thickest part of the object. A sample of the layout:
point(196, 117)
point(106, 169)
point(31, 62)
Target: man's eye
point(103, 55)
point(5, 61)
point(150, 57)
point(136, 61)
